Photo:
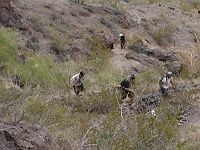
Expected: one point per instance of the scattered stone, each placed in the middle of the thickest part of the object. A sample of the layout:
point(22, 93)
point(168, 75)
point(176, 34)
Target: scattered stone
point(150, 100)
point(19, 136)
point(11, 16)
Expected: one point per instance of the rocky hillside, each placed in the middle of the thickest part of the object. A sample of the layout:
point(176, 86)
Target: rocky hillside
point(159, 35)
point(163, 31)
point(16, 136)
point(156, 33)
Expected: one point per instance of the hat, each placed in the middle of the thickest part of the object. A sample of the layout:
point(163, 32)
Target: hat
point(82, 73)
point(121, 34)
point(169, 73)
point(132, 77)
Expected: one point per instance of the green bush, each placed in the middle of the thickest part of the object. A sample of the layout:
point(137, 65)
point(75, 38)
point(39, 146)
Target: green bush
point(148, 80)
point(98, 55)
point(164, 34)
point(8, 48)
point(41, 71)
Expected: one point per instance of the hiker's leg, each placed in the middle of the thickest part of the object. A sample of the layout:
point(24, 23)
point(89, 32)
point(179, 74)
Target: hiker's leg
point(131, 94)
point(124, 94)
point(121, 45)
point(77, 92)
point(81, 87)
point(164, 91)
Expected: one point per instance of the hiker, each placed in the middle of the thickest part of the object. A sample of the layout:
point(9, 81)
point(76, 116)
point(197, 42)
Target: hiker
point(78, 82)
point(126, 85)
point(123, 40)
point(164, 83)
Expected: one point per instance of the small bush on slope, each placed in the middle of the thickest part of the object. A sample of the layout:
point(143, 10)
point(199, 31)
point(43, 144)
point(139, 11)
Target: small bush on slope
point(8, 49)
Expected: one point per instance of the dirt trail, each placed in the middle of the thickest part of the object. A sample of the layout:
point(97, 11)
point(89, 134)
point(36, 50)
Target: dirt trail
point(120, 60)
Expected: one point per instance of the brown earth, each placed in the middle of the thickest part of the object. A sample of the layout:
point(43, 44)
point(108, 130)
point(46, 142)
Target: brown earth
point(78, 22)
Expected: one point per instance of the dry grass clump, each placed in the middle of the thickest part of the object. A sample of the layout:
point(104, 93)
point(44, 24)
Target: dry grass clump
point(189, 5)
point(191, 62)
point(160, 29)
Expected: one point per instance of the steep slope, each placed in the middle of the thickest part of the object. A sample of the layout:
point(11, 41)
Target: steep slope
point(156, 33)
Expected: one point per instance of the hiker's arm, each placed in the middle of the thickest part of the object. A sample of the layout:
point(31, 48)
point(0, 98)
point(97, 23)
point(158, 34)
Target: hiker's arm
point(74, 85)
point(128, 89)
point(171, 81)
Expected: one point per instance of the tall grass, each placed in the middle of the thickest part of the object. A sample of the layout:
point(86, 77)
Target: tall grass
point(41, 71)
point(8, 49)
point(189, 5)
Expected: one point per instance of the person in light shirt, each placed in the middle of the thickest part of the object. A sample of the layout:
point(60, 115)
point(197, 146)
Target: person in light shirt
point(165, 82)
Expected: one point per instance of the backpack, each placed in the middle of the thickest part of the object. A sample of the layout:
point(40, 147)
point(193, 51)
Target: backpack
point(160, 81)
point(73, 79)
point(122, 38)
point(125, 83)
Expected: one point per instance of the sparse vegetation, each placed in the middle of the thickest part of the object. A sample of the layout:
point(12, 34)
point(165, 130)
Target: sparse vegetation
point(94, 120)
point(164, 34)
point(189, 5)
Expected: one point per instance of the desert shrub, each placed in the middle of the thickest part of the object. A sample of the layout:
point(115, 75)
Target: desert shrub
point(8, 48)
point(153, 1)
point(164, 34)
point(147, 81)
point(161, 19)
point(37, 24)
point(41, 71)
point(34, 110)
point(45, 113)
point(109, 77)
point(161, 32)
point(190, 5)
point(190, 67)
point(148, 25)
point(99, 53)
point(149, 1)
point(132, 42)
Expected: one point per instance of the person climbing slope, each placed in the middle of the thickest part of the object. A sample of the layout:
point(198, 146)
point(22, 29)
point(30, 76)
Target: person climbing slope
point(126, 86)
point(165, 82)
point(123, 40)
point(77, 81)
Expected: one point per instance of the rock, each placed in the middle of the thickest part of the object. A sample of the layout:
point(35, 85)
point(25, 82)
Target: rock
point(123, 21)
point(84, 13)
point(105, 38)
point(11, 16)
point(162, 55)
point(174, 66)
point(144, 60)
point(149, 100)
point(18, 136)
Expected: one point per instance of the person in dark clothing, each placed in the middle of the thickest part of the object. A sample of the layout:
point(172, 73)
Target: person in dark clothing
point(123, 40)
point(126, 87)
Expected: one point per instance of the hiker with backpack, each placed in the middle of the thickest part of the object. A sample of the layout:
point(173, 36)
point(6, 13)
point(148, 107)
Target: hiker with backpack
point(126, 86)
point(78, 82)
point(123, 40)
point(165, 82)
